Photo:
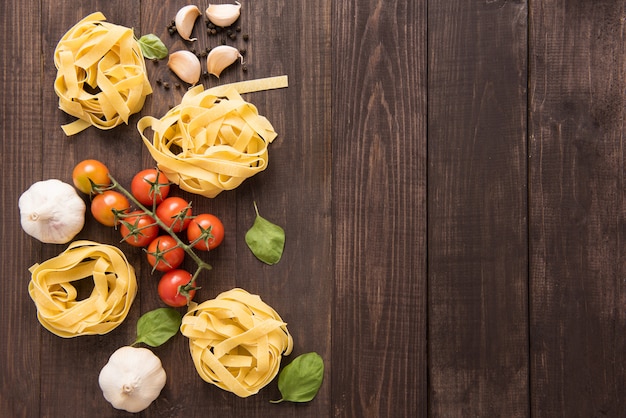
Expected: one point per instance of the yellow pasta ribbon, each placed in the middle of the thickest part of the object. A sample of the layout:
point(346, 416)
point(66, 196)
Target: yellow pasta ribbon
point(115, 288)
point(236, 341)
point(213, 140)
point(101, 74)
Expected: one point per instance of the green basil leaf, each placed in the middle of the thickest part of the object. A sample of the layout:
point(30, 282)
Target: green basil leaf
point(265, 239)
point(301, 379)
point(152, 47)
point(156, 327)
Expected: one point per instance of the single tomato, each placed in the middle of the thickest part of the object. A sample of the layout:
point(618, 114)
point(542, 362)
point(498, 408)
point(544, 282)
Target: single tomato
point(207, 230)
point(164, 254)
point(175, 288)
point(104, 207)
point(88, 173)
point(175, 212)
point(138, 229)
point(149, 189)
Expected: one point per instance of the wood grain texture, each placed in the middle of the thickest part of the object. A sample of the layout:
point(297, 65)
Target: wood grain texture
point(379, 184)
point(450, 177)
point(21, 166)
point(578, 264)
point(477, 247)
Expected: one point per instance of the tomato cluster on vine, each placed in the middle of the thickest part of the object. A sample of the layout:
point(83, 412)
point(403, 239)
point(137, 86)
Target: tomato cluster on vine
point(154, 225)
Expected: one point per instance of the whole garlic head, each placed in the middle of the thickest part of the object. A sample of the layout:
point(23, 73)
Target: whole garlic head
point(52, 212)
point(132, 379)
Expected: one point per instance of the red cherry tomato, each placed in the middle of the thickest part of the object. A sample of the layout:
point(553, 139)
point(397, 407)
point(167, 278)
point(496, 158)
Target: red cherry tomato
point(175, 289)
point(88, 171)
point(208, 229)
point(164, 254)
point(139, 229)
point(175, 212)
point(104, 206)
point(145, 184)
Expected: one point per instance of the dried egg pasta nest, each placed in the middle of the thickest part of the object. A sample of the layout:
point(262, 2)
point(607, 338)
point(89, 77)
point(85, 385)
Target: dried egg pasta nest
point(115, 288)
point(213, 140)
point(236, 341)
point(101, 74)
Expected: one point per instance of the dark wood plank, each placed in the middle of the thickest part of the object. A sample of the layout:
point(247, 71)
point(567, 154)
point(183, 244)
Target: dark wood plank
point(379, 208)
point(21, 166)
point(70, 367)
point(283, 40)
point(477, 260)
point(577, 209)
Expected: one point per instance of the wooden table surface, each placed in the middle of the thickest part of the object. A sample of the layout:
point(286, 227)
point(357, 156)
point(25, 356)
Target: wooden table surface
point(450, 177)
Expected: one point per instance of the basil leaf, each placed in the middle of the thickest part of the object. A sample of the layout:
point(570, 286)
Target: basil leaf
point(156, 327)
point(265, 239)
point(301, 379)
point(152, 47)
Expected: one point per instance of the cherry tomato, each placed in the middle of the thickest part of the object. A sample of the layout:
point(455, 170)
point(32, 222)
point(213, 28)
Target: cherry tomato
point(174, 288)
point(145, 184)
point(88, 170)
point(164, 254)
point(104, 205)
point(212, 228)
point(138, 229)
point(175, 212)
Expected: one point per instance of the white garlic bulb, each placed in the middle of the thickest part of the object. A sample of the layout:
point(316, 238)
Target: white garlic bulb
point(52, 211)
point(132, 379)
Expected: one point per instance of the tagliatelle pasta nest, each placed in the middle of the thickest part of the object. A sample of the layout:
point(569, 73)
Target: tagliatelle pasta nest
point(114, 290)
point(213, 140)
point(236, 341)
point(101, 74)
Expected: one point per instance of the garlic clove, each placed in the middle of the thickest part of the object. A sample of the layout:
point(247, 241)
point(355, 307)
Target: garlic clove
point(185, 19)
point(223, 15)
point(221, 57)
point(186, 65)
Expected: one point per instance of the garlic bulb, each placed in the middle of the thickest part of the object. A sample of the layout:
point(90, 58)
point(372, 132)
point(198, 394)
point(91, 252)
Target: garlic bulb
point(184, 21)
point(52, 211)
point(132, 378)
point(221, 57)
point(186, 65)
point(223, 15)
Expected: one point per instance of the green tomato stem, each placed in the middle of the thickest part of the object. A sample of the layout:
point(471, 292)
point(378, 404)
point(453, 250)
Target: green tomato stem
point(188, 249)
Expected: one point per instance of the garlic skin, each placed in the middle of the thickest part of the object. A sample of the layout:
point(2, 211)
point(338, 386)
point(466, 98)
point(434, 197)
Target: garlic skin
point(52, 211)
point(223, 15)
point(186, 65)
point(132, 379)
point(221, 57)
point(185, 19)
